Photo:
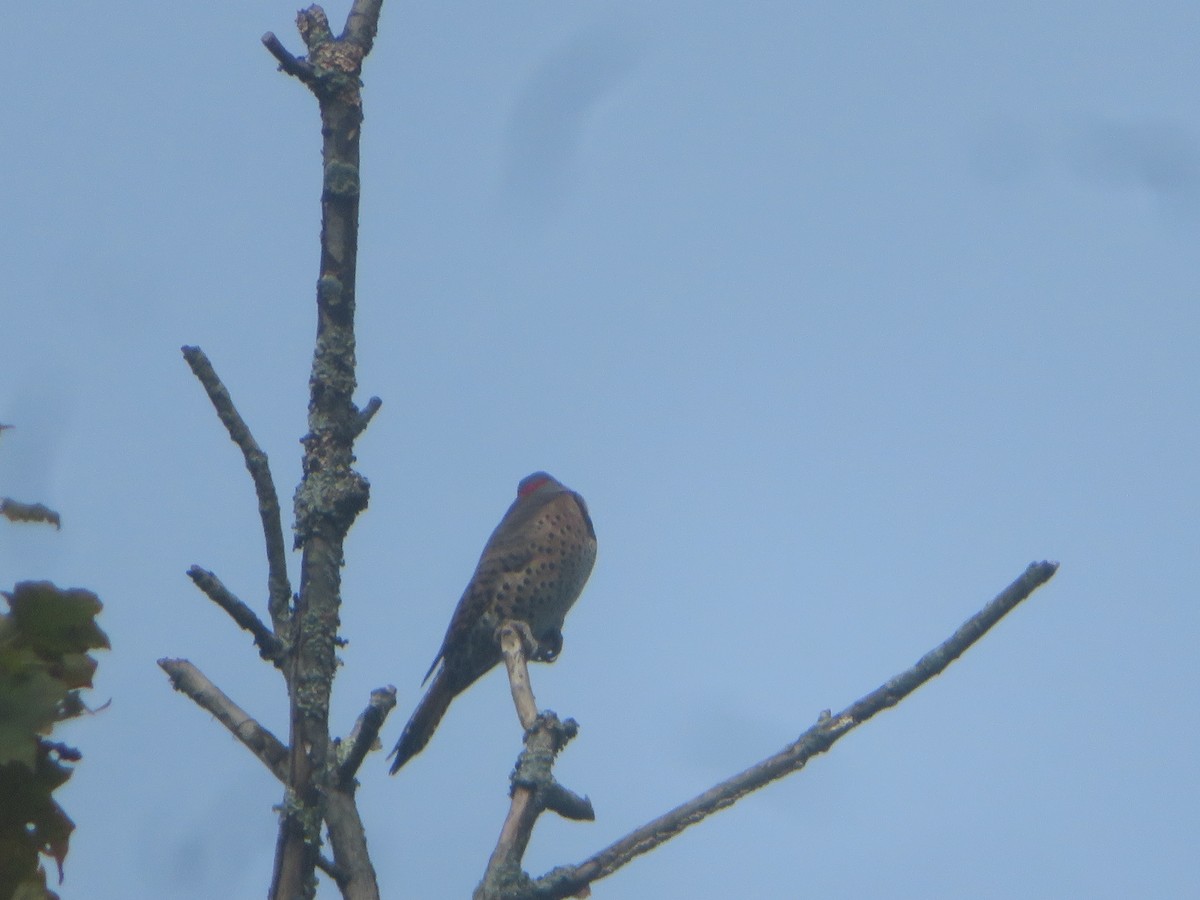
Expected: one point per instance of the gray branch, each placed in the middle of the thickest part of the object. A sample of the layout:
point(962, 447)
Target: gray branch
point(534, 788)
point(570, 880)
point(279, 589)
point(331, 493)
point(289, 64)
point(189, 680)
point(366, 414)
point(365, 733)
point(269, 647)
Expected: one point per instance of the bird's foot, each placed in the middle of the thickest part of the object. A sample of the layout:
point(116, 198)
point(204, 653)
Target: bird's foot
point(549, 645)
point(529, 644)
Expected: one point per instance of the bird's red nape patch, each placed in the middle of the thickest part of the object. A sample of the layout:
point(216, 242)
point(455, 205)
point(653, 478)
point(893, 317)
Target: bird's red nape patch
point(532, 483)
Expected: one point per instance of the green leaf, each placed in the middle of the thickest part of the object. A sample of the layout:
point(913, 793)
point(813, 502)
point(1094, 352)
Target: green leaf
point(44, 661)
point(31, 822)
point(54, 621)
point(29, 706)
point(15, 511)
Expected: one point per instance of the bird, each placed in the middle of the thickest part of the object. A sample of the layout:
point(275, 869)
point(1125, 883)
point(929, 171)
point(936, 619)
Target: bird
point(532, 570)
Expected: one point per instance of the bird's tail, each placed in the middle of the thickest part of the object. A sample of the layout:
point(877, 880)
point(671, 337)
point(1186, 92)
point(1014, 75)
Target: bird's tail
point(424, 721)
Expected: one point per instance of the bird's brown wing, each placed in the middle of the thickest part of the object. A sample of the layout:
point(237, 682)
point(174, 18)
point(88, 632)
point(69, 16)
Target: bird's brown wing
point(492, 566)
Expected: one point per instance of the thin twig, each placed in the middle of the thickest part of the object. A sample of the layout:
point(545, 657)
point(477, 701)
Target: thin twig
point(569, 880)
point(297, 68)
point(279, 589)
point(365, 733)
point(189, 680)
point(366, 414)
point(269, 646)
point(568, 804)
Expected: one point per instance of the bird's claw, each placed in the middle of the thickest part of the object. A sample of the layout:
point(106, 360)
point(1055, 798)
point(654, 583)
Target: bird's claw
point(529, 644)
point(549, 645)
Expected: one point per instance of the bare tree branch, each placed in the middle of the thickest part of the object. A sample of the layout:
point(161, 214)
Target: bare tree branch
point(332, 493)
point(534, 788)
point(352, 870)
point(363, 737)
point(279, 589)
point(566, 803)
point(366, 414)
point(348, 837)
point(289, 64)
point(569, 880)
point(269, 647)
point(515, 639)
point(189, 680)
point(319, 780)
point(362, 23)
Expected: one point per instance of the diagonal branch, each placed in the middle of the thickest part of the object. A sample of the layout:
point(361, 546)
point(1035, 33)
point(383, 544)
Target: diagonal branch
point(362, 23)
point(269, 646)
point(365, 733)
point(189, 680)
point(569, 880)
point(534, 788)
point(289, 64)
point(279, 589)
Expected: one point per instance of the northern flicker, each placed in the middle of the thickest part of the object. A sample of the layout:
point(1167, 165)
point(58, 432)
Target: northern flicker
point(532, 570)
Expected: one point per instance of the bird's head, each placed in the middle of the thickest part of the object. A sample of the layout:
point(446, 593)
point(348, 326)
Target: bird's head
point(538, 482)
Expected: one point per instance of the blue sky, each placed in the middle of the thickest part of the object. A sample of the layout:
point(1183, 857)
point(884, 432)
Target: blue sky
point(837, 314)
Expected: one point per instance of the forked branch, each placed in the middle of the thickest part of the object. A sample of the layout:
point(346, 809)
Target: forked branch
point(569, 881)
point(534, 788)
point(331, 493)
point(318, 773)
point(279, 589)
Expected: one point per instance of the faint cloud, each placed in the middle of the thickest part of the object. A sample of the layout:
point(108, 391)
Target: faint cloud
point(1160, 158)
point(552, 109)
point(205, 853)
point(41, 413)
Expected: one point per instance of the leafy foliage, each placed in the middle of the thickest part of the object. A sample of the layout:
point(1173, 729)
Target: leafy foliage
point(16, 511)
point(44, 664)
